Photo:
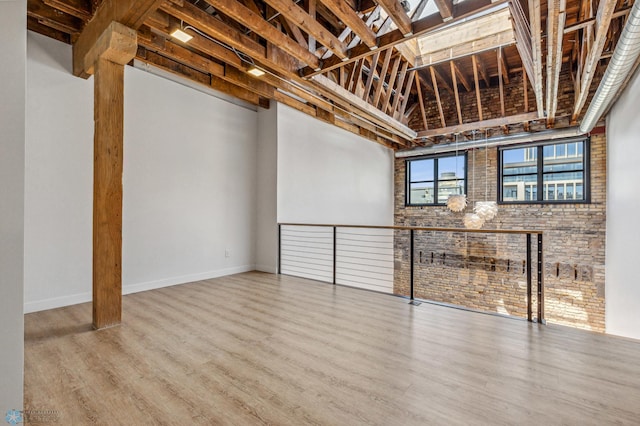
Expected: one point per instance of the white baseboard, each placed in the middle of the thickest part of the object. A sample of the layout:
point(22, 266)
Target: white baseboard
point(57, 302)
point(74, 299)
point(267, 268)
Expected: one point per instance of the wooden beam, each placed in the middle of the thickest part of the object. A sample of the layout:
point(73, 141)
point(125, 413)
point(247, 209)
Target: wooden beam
point(495, 122)
point(482, 70)
point(463, 78)
point(445, 7)
point(372, 73)
point(504, 65)
point(392, 83)
point(603, 19)
point(383, 74)
point(555, 32)
point(501, 84)
point(437, 92)
point(482, 44)
point(398, 15)
point(406, 94)
point(399, 87)
point(382, 118)
point(477, 84)
point(131, 13)
point(420, 27)
point(353, 21)
point(307, 23)
point(256, 23)
point(51, 17)
point(113, 49)
point(311, 4)
point(77, 8)
point(421, 101)
point(455, 89)
point(220, 31)
point(294, 31)
point(443, 80)
point(535, 73)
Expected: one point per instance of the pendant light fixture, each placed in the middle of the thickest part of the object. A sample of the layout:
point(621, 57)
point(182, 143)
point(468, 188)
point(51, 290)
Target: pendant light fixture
point(487, 210)
point(473, 220)
point(457, 202)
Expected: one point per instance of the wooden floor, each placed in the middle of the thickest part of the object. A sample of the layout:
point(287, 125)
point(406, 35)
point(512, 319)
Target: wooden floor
point(262, 349)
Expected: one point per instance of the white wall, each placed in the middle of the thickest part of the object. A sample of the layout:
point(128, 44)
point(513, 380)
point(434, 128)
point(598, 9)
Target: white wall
point(59, 178)
point(328, 175)
point(266, 186)
point(622, 298)
point(189, 182)
point(12, 158)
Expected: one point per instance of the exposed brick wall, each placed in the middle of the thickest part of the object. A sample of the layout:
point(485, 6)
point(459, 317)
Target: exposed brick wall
point(485, 271)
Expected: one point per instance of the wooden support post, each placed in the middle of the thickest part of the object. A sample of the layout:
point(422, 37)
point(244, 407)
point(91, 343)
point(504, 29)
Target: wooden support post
point(113, 49)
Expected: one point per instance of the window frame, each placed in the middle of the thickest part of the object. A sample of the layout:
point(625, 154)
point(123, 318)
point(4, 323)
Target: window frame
point(436, 158)
point(540, 173)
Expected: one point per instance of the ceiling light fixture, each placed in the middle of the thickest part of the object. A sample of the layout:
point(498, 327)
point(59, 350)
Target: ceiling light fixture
point(181, 35)
point(255, 71)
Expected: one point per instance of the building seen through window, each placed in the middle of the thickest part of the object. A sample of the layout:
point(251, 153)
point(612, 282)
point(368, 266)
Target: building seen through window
point(550, 172)
point(431, 180)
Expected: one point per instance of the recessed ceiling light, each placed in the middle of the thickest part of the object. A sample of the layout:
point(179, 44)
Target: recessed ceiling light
point(255, 71)
point(181, 35)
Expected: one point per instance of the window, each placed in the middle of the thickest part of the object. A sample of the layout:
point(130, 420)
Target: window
point(560, 170)
point(430, 180)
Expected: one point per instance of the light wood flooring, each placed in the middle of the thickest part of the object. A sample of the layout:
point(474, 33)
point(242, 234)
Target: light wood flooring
point(258, 348)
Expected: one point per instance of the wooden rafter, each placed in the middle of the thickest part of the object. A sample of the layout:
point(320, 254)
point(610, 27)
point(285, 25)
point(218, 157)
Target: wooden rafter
point(392, 82)
point(383, 73)
point(504, 65)
point(131, 13)
point(477, 85)
point(256, 23)
point(445, 7)
point(380, 117)
point(310, 25)
point(494, 122)
point(342, 10)
point(500, 82)
point(555, 31)
point(535, 67)
point(405, 95)
point(603, 20)
point(398, 15)
point(462, 77)
point(372, 73)
point(421, 101)
point(455, 91)
point(434, 81)
point(399, 87)
point(420, 27)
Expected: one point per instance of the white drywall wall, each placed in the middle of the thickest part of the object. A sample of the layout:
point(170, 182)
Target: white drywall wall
point(189, 182)
point(622, 281)
point(328, 175)
point(12, 157)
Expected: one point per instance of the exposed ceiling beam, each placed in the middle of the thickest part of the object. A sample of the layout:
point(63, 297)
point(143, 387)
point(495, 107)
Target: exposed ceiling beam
point(477, 85)
point(434, 81)
point(494, 122)
point(77, 8)
point(420, 27)
point(535, 68)
point(603, 19)
point(353, 21)
point(310, 25)
point(455, 91)
point(257, 24)
point(445, 7)
point(398, 15)
point(555, 31)
point(421, 101)
point(381, 117)
point(131, 13)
